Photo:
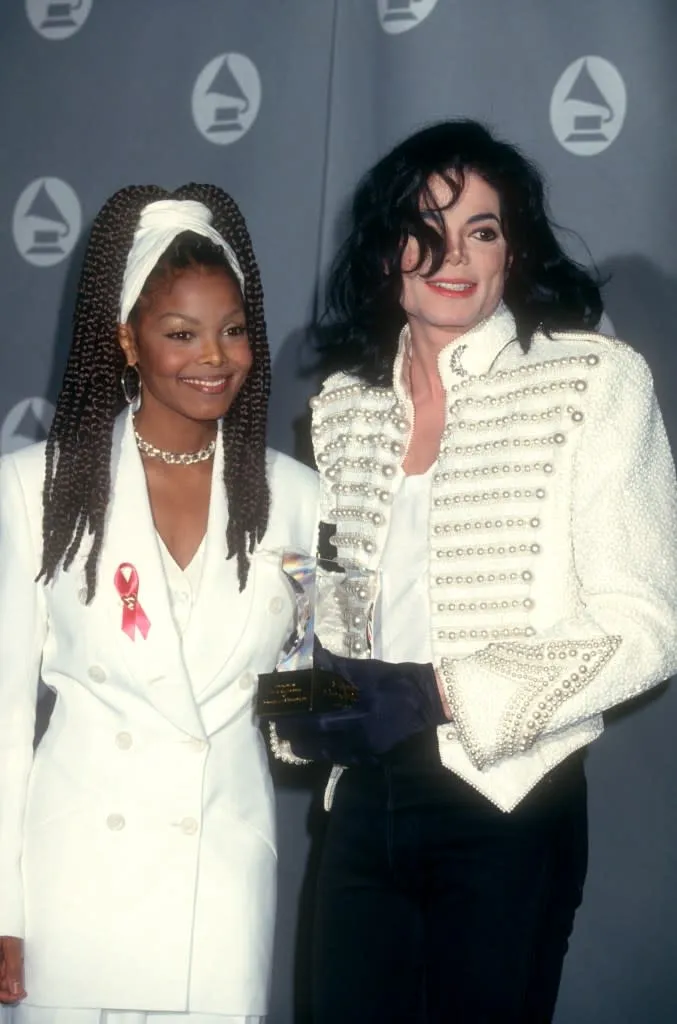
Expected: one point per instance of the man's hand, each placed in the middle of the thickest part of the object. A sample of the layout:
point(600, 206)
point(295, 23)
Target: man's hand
point(394, 702)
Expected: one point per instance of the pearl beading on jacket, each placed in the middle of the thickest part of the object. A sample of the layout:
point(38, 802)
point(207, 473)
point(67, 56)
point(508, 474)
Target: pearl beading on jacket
point(492, 596)
point(554, 671)
point(536, 629)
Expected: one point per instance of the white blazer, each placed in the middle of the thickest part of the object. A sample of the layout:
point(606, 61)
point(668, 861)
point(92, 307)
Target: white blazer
point(137, 848)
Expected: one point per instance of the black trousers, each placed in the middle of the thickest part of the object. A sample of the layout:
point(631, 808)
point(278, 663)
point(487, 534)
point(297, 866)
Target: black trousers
point(434, 906)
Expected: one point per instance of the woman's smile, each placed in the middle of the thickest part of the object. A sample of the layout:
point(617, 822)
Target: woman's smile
point(208, 385)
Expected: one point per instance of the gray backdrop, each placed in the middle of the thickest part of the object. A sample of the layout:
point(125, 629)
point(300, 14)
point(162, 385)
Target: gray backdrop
point(285, 103)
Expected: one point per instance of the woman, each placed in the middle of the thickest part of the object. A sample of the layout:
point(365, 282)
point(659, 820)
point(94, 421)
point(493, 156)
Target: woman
point(140, 552)
point(505, 472)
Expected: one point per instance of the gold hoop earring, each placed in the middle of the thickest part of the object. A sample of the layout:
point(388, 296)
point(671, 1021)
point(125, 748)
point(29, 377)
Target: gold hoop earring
point(132, 398)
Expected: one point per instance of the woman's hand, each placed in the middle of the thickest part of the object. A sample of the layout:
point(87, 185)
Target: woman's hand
point(11, 969)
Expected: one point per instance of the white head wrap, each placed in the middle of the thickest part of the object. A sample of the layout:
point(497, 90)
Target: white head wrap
point(159, 224)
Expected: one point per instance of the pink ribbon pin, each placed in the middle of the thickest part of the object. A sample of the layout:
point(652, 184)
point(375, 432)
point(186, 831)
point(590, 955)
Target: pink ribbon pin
point(133, 615)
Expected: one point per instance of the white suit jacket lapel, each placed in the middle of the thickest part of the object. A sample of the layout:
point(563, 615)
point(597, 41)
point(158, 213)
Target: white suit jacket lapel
point(155, 662)
point(220, 612)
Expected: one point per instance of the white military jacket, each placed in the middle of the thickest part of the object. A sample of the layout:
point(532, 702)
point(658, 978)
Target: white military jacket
point(137, 848)
point(553, 538)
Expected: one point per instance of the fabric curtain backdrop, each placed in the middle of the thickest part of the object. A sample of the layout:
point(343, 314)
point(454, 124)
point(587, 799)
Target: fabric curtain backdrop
point(285, 104)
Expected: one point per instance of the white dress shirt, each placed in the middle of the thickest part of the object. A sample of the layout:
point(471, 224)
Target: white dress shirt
point(402, 621)
point(182, 584)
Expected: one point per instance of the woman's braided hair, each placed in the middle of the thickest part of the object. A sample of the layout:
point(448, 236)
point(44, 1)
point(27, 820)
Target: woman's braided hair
point(78, 457)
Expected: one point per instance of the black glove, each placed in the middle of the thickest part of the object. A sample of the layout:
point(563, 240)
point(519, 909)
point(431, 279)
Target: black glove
point(394, 703)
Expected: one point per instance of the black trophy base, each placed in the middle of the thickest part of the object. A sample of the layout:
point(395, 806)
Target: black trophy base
point(303, 691)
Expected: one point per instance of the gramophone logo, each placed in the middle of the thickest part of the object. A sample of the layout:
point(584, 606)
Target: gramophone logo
point(401, 15)
point(47, 221)
point(226, 98)
point(588, 106)
point(29, 421)
point(58, 19)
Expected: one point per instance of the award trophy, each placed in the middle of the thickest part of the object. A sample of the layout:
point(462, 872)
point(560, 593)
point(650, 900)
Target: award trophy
point(335, 602)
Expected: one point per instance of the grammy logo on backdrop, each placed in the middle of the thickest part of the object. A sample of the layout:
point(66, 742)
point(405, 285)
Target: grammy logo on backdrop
point(399, 10)
point(47, 221)
point(401, 15)
point(588, 105)
point(226, 98)
point(50, 229)
point(232, 103)
point(57, 19)
point(588, 126)
point(60, 15)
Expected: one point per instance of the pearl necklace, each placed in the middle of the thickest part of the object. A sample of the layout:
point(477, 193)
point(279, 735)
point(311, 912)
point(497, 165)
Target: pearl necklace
point(174, 458)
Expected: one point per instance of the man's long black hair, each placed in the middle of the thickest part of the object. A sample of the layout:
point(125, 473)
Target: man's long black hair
point(544, 288)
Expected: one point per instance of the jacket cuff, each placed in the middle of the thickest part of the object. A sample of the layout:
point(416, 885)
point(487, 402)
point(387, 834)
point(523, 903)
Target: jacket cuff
point(281, 749)
point(503, 697)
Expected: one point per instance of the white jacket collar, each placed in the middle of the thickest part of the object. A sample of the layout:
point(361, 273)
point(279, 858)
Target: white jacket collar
point(470, 355)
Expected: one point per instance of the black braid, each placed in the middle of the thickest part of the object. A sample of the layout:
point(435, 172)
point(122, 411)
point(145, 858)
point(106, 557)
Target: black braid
point(244, 426)
point(78, 457)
